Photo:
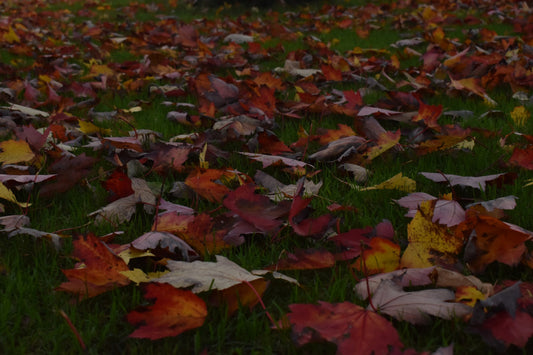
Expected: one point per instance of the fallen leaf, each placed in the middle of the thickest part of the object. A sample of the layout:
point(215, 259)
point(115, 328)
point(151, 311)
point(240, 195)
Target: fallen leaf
point(478, 182)
point(209, 183)
point(522, 158)
point(173, 312)
point(255, 209)
point(345, 324)
point(416, 307)
point(397, 182)
point(304, 259)
point(268, 160)
point(201, 276)
point(8, 195)
point(430, 243)
point(123, 209)
point(489, 240)
point(378, 256)
point(99, 273)
point(14, 152)
point(165, 240)
point(241, 295)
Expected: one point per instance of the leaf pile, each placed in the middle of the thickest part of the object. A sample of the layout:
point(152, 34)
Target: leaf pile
point(225, 86)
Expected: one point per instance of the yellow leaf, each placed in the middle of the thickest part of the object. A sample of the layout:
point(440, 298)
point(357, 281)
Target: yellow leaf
point(89, 128)
point(468, 295)
point(15, 152)
point(520, 115)
point(11, 36)
point(397, 182)
point(203, 163)
point(132, 253)
point(137, 275)
point(429, 243)
point(380, 256)
point(8, 195)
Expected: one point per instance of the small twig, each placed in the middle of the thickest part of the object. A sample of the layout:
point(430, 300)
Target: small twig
point(73, 329)
point(72, 228)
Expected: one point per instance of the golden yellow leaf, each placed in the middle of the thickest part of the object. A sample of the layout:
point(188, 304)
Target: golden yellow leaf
point(397, 182)
point(15, 152)
point(520, 115)
point(11, 36)
point(90, 128)
point(380, 256)
point(8, 195)
point(429, 243)
point(132, 253)
point(137, 275)
point(468, 295)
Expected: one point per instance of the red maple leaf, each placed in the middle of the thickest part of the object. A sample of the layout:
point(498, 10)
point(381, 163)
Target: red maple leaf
point(258, 210)
point(119, 184)
point(305, 260)
point(351, 327)
point(522, 158)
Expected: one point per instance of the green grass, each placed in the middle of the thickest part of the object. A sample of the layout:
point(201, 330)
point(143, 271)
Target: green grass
point(30, 270)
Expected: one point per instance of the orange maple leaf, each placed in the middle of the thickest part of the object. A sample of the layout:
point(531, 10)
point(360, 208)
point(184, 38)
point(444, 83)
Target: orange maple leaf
point(208, 183)
point(489, 240)
point(99, 273)
point(173, 312)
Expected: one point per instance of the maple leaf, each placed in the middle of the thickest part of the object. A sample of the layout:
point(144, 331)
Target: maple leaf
point(69, 171)
point(203, 276)
point(429, 114)
point(119, 184)
point(386, 141)
point(352, 242)
point(434, 276)
point(8, 195)
point(378, 256)
point(241, 295)
point(122, 210)
point(448, 212)
point(99, 273)
point(255, 209)
point(15, 152)
point(173, 312)
point(430, 243)
point(397, 182)
point(164, 240)
point(167, 157)
point(500, 319)
point(268, 160)
point(476, 182)
point(304, 260)
point(489, 240)
point(472, 85)
point(522, 158)
point(347, 325)
point(205, 183)
point(416, 307)
point(306, 226)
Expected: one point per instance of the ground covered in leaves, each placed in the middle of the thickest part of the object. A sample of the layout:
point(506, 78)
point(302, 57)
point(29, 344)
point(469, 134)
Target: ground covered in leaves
point(237, 180)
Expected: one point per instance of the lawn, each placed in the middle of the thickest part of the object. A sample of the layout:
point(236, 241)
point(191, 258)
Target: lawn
point(220, 178)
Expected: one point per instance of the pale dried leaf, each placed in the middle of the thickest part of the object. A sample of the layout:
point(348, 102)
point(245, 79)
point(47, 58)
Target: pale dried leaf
point(203, 276)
